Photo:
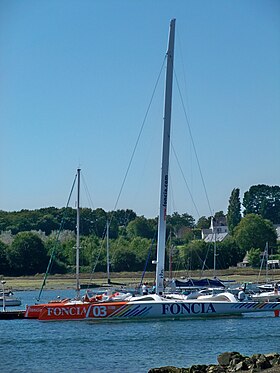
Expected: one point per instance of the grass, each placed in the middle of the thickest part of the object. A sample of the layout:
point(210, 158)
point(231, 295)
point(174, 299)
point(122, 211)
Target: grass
point(131, 278)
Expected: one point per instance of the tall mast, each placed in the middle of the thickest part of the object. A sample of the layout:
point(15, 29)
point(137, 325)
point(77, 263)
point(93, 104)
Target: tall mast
point(108, 254)
point(266, 261)
point(78, 239)
point(165, 162)
point(215, 245)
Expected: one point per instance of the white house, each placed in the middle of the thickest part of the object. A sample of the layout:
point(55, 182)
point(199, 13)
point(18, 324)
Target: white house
point(217, 232)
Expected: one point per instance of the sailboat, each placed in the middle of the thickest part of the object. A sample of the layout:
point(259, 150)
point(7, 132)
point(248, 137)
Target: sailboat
point(33, 311)
point(157, 306)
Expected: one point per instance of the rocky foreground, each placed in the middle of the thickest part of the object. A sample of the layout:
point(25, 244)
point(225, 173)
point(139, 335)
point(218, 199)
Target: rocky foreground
point(229, 362)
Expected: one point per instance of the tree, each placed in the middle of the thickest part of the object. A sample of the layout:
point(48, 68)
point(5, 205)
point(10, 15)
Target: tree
point(4, 266)
point(87, 220)
point(47, 223)
point(229, 254)
point(27, 254)
point(100, 222)
point(254, 256)
point(90, 252)
point(193, 254)
point(234, 210)
point(203, 223)
point(141, 227)
point(123, 260)
point(143, 251)
point(123, 217)
point(254, 232)
point(177, 221)
point(263, 200)
point(219, 215)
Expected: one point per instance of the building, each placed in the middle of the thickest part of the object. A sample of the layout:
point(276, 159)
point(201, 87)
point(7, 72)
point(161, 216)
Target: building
point(217, 232)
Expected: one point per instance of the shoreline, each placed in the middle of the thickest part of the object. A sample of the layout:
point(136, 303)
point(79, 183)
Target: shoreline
point(130, 279)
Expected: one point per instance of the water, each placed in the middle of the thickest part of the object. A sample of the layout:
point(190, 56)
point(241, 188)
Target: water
point(130, 347)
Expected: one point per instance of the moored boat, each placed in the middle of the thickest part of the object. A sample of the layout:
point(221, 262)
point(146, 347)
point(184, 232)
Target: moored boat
point(11, 315)
point(152, 306)
point(9, 300)
point(158, 306)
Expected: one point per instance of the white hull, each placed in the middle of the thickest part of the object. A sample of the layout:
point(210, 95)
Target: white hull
point(10, 302)
point(269, 296)
point(151, 307)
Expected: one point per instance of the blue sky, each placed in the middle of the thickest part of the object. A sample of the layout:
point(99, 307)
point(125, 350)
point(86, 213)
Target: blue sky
point(77, 77)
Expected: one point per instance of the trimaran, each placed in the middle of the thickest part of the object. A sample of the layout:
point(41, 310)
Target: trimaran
point(152, 306)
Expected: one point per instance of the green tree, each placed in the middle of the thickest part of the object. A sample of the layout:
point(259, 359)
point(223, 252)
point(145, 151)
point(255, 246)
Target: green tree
point(87, 219)
point(253, 232)
point(27, 254)
point(123, 217)
point(234, 210)
point(4, 265)
point(141, 227)
point(177, 221)
point(229, 253)
point(47, 223)
point(143, 251)
point(219, 214)
point(92, 252)
point(263, 200)
point(100, 222)
point(254, 257)
point(193, 254)
point(4, 220)
point(203, 223)
point(123, 260)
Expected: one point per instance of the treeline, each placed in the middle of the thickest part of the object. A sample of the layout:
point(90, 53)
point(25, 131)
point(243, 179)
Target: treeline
point(30, 237)
point(51, 219)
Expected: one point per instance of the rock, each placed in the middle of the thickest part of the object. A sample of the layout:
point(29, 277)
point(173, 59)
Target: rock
point(274, 358)
point(240, 366)
point(215, 369)
point(198, 369)
point(263, 363)
point(169, 369)
point(231, 362)
point(225, 358)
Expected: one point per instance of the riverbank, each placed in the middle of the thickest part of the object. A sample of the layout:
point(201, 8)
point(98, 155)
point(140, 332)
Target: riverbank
point(131, 279)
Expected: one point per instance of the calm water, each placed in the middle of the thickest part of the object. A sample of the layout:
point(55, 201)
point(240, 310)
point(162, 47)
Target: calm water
point(132, 347)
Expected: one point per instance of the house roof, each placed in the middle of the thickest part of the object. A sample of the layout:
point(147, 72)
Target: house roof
point(215, 236)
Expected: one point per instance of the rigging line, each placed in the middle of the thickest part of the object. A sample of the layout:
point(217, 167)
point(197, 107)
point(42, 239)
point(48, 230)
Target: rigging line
point(133, 152)
point(205, 259)
point(56, 240)
point(98, 256)
point(193, 144)
point(140, 132)
point(181, 55)
point(87, 192)
point(147, 260)
point(134, 149)
point(185, 179)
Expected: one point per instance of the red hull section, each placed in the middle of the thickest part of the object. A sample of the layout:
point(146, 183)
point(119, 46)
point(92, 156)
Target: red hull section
point(80, 311)
point(33, 312)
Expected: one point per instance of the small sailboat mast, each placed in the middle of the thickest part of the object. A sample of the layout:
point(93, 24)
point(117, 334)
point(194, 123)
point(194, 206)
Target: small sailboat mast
point(108, 252)
point(78, 286)
point(165, 162)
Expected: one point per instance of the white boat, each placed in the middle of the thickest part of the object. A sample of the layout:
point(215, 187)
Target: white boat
point(266, 296)
point(268, 287)
point(159, 305)
point(9, 300)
